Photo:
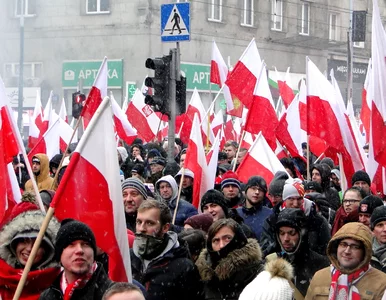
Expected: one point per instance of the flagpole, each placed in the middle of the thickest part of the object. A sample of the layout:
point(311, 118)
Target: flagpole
point(308, 120)
point(238, 151)
point(179, 195)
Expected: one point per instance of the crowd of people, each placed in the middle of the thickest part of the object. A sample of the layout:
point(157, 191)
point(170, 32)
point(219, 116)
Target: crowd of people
point(289, 239)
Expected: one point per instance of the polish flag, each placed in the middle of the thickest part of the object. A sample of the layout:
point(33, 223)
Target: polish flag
point(65, 134)
point(212, 160)
point(145, 120)
point(260, 160)
point(217, 122)
point(242, 80)
point(218, 74)
point(248, 140)
point(229, 131)
point(195, 161)
point(195, 107)
point(124, 129)
point(63, 111)
point(365, 115)
point(378, 108)
point(261, 114)
point(35, 123)
point(285, 91)
point(90, 191)
point(207, 133)
point(97, 93)
point(48, 114)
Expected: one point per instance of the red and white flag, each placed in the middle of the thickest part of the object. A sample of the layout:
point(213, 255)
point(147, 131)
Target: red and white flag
point(217, 122)
point(143, 117)
point(229, 131)
point(97, 93)
point(260, 160)
point(378, 108)
point(242, 80)
point(286, 93)
point(212, 160)
point(122, 125)
point(195, 161)
point(63, 111)
point(35, 123)
point(367, 100)
point(90, 191)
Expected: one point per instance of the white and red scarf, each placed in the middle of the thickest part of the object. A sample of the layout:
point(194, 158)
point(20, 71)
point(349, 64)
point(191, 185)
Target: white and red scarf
point(68, 289)
point(343, 285)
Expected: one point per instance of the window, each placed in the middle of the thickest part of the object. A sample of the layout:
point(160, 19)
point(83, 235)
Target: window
point(333, 27)
point(277, 15)
point(25, 7)
point(31, 70)
point(215, 10)
point(305, 19)
point(97, 6)
point(359, 44)
point(248, 13)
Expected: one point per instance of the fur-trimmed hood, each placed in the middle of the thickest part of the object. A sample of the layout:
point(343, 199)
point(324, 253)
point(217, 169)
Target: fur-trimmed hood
point(25, 222)
point(235, 261)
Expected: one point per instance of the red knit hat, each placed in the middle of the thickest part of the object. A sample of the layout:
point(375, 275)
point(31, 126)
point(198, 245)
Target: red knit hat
point(22, 207)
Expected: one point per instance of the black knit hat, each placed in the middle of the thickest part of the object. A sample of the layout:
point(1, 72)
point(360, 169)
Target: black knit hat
point(214, 196)
point(313, 185)
point(369, 203)
point(138, 168)
point(159, 160)
point(135, 183)
point(378, 215)
point(291, 217)
point(360, 176)
point(277, 184)
point(256, 181)
point(72, 230)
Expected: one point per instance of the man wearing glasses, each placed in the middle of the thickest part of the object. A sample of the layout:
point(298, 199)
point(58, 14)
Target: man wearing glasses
point(350, 275)
point(348, 211)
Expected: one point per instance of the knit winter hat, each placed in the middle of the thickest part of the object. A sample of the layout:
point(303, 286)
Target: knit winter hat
point(313, 185)
point(291, 217)
point(47, 196)
point(272, 283)
point(328, 161)
point(360, 176)
point(72, 230)
point(159, 160)
point(230, 178)
point(277, 184)
point(139, 169)
point(201, 221)
point(369, 203)
point(336, 172)
point(256, 181)
point(378, 215)
point(135, 183)
point(293, 188)
point(214, 196)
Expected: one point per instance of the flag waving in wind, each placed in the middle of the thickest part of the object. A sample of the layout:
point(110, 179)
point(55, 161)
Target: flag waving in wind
point(90, 191)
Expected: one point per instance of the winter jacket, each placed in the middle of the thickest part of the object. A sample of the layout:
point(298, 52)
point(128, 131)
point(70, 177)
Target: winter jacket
point(185, 209)
point(342, 218)
point(42, 275)
point(169, 276)
point(318, 230)
point(371, 286)
point(254, 217)
point(94, 288)
point(232, 274)
point(331, 194)
point(43, 180)
point(378, 259)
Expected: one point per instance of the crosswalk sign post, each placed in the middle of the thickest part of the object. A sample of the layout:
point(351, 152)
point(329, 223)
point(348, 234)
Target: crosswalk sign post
point(175, 22)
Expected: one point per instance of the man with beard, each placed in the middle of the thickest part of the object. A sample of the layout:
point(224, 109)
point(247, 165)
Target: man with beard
point(133, 193)
point(41, 170)
point(187, 184)
point(159, 260)
point(253, 211)
point(292, 238)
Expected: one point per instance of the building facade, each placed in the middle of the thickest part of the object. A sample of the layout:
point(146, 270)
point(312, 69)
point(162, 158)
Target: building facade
point(65, 41)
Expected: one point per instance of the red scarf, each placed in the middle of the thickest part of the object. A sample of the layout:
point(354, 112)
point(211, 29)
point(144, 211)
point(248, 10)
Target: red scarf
point(343, 285)
point(68, 289)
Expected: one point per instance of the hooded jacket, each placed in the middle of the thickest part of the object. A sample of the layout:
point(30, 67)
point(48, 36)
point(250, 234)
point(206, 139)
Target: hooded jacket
point(42, 275)
point(43, 180)
point(232, 273)
point(331, 194)
point(170, 275)
point(185, 209)
point(371, 286)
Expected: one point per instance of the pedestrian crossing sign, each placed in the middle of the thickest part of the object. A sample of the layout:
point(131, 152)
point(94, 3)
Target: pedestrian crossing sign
point(175, 22)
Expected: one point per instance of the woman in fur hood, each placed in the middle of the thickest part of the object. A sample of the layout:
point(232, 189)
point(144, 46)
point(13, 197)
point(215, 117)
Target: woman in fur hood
point(16, 241)
point(230, 262)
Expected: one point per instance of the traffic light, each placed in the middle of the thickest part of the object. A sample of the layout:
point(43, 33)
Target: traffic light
point(159, 83)
point(77, 104)
point(181, 96)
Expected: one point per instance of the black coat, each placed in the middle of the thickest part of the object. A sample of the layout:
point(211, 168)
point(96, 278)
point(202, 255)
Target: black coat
point(232, 274)
point(319, 232)
point(94, 288)
point(172, 276)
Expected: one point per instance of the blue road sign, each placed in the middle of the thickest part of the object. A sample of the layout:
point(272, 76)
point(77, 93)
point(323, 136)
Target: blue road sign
point(175, 22)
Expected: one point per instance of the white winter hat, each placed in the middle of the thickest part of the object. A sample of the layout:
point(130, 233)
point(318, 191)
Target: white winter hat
point(272, 283)
point(293, 188)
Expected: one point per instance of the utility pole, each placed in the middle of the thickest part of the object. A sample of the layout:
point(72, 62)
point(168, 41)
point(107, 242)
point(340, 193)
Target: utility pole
point(350, 55)
point(174, 76)
point(21, 72)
